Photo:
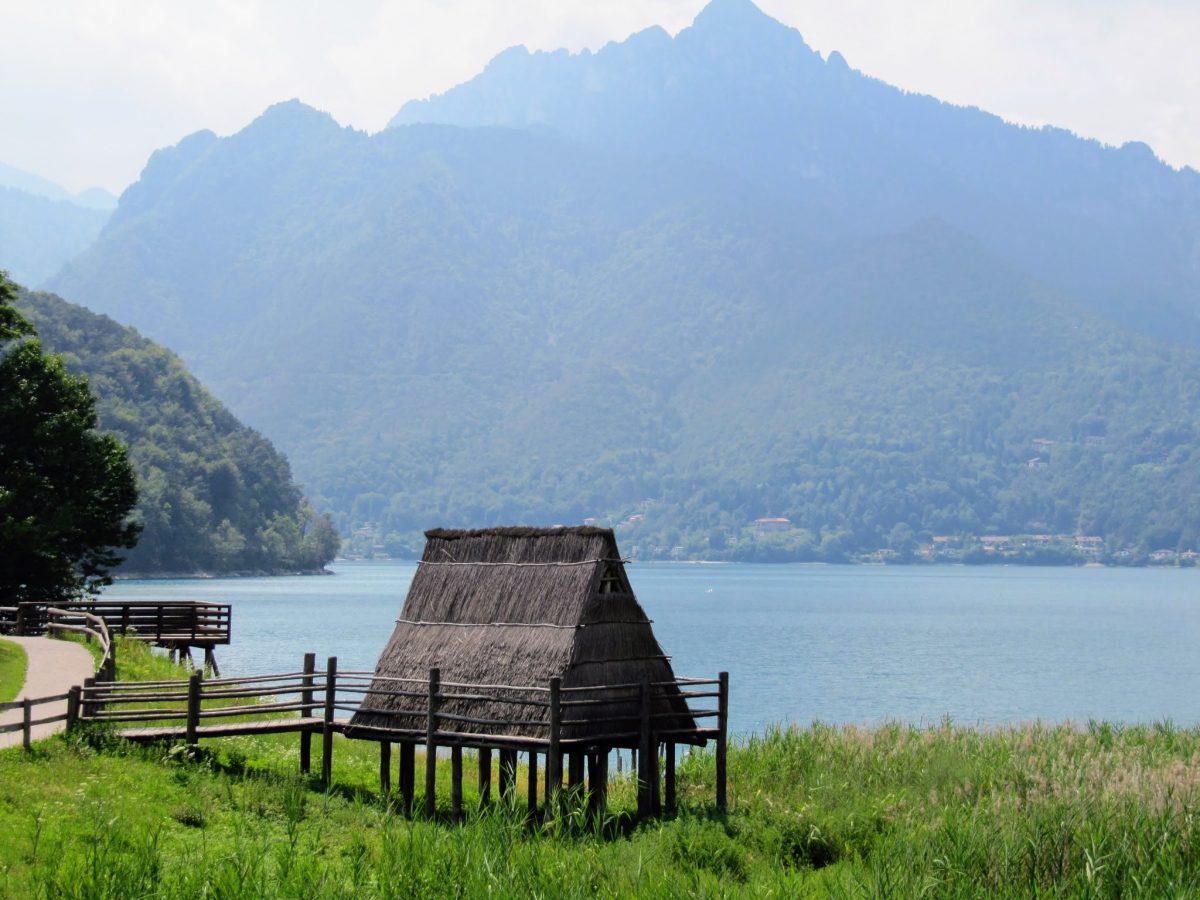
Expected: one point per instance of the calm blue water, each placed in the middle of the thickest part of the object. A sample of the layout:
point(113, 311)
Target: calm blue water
point(803, 642)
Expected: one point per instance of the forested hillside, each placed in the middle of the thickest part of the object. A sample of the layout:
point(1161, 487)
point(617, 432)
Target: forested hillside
point(448, 325)
point(214, 495)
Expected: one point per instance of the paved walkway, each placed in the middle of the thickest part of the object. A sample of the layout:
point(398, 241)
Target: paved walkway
point(54, 667)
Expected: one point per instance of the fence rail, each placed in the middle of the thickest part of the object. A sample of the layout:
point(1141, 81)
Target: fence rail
point(25, 726)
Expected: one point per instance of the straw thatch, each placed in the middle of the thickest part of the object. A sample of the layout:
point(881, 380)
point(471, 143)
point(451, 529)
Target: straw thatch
point(517, 607)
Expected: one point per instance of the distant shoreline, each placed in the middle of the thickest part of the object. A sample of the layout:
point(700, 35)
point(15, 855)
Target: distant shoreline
point(205, 576)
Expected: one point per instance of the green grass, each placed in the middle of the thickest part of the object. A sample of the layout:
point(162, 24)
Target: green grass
point(1037, 810)
point(13, 664)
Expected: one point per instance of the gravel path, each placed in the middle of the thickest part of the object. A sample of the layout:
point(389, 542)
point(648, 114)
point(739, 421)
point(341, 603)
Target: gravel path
point(54, 667)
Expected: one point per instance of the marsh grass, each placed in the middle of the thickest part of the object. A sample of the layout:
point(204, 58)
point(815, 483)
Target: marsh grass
point(1035, 810)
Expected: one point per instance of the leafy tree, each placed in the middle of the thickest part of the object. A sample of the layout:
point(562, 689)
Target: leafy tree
point(66, 490)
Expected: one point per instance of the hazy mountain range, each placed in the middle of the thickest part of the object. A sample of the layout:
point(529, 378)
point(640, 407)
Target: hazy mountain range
point(715, 272)
point(42, 225)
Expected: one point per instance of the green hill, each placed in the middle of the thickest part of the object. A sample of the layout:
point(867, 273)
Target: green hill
point(214, 495)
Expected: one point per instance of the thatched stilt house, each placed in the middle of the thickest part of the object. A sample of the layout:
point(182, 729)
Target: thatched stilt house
point(539, 645)
point(517, 607)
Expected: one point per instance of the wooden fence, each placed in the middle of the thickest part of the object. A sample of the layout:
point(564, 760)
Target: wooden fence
point(309, 701)
point(28, 721)
point(73, 622)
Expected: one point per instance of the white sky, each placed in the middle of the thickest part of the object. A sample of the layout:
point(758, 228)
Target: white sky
point(89, 88)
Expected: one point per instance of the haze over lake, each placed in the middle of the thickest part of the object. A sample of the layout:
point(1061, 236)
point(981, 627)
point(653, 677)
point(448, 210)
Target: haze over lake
point(984, 645)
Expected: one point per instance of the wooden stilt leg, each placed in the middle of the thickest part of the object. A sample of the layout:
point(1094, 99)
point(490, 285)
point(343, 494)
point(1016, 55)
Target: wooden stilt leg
point(385, 767)
point(669, 786)
point(508, 774)
point(533, 784)
point(598, 776)
point(456, 772)
point(408, 776)
point(485, 777)
point(574, 770)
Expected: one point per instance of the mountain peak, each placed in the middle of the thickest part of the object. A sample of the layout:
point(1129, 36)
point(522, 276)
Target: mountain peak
point(738, 28)
point(725, 14)
point(294, 112)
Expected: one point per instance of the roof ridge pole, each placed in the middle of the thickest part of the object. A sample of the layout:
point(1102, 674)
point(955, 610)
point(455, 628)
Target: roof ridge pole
point(554, 751)
point(435, 680)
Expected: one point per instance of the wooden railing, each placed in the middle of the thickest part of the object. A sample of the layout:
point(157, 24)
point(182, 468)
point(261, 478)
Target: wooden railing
point(308, 701)
point(28, 721)
point(184, 623)
point(92, 627)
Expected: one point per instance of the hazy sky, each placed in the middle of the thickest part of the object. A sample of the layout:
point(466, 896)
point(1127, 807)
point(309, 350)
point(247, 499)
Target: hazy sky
point(89, 88)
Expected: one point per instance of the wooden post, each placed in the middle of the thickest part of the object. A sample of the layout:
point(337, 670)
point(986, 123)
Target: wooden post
point(554, 750)
point(456, 804)
point(73, 707)
point(508, 773)
point(19, 625)
point(574, 770)
point(385, 767)
point(485, 777)
point(598, 776)
point(125, 619)
point(193, 708)
point(407, 776)
point(327, 724)
point(722, 739)
point(26, 723)
point(86, 695)
point(306, 697)
point(669, 786)
point(112, 657)
point(646, 757)
point(533, 783)
point(435, 679)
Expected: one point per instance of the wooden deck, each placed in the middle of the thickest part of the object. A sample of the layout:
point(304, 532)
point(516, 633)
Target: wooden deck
point(167, 623)
point(226, 729)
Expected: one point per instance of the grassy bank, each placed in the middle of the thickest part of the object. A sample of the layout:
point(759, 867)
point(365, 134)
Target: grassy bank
point(13, 664)
point(821, 811)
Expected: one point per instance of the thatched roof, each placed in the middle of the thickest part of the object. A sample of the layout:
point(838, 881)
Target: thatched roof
point(519, 606)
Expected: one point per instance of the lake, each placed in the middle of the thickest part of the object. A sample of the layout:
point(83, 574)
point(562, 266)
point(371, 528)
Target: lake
point(981, 645)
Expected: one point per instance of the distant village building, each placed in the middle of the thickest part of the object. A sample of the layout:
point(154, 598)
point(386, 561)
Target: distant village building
point(769, 524)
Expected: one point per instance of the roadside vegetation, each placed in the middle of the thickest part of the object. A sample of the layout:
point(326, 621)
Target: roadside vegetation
point(13, 664)
point(1100, 811)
